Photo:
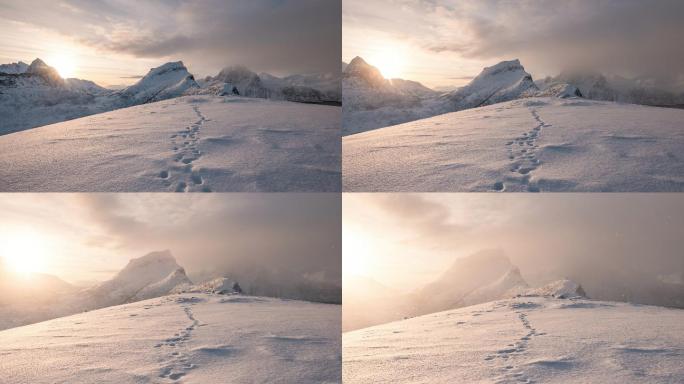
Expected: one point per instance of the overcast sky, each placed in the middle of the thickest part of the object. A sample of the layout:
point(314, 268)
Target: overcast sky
point(85, 237)
point(447, 42)
point(111, 41)
point(407, 240)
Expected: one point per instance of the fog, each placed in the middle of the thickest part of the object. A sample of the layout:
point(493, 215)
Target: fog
point(270, 239)
point(626, 247)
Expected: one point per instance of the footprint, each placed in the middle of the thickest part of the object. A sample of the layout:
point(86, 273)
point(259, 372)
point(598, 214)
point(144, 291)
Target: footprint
point(499, 186)
point(164, 174)
point(181, 187)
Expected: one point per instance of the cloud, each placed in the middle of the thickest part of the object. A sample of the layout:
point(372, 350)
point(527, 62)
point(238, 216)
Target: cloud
point(631, 37)
point(283, 36)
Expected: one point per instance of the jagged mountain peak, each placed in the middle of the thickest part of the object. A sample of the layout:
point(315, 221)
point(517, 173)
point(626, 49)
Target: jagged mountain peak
point(504, 81)
point(46, 72)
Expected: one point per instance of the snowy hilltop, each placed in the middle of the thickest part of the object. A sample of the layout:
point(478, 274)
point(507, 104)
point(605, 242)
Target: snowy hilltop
point(528, 339)
point(531, 144)
point(184, 144)
point(371, 101)
point(189, 338)
point(35, 95)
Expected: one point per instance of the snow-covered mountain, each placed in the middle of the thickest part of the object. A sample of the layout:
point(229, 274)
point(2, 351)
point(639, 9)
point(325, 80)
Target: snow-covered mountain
point(530, 144)
point(523, 340)
point(14, 68)
point(307, 88)
point(478, 278)
point(161, 83)
point(247, 82)
point(155, 269)
point(371, 101)
point(502, 82)
point(39, 96)
point(186, 338)
point(172, 283)
point(26, 300)
point(364, 88)
point(596, 86)
point(35, 95)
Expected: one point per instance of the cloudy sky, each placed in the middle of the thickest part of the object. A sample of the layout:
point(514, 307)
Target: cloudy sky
point(112, 41)
point(89, 237)
point(447, 42)
point(407, 240)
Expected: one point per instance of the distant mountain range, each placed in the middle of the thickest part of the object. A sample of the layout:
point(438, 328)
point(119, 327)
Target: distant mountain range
point(371, 101)
point(487, 276)
point(35, 95)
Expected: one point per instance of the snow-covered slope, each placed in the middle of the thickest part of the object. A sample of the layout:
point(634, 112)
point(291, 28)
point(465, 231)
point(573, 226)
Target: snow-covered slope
point(175, 280)
point(165, 82)
point(188, 338)
point(523, 340)
point(192, 143)
point(138, 274)
point(504, 81)
point(533, 144)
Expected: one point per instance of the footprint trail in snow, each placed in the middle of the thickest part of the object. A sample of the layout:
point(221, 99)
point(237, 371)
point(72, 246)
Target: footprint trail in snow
point(185, 145)
point(522, 153)
point(510, 371)
point(176, 362)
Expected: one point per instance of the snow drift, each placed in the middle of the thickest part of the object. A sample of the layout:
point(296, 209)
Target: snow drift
point(523, 340)
point(189, 338)
point(530, 144)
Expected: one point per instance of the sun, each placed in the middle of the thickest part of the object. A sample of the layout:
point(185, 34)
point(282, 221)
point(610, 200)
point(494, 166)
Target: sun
point(23, 251)
point(356, 249)
point(64, 64)
point(391, 61)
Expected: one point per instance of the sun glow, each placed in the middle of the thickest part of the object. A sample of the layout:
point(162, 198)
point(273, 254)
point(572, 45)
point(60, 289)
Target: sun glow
point(391, 61)
point(23, 251)
point(64, 64)
point(356, 250)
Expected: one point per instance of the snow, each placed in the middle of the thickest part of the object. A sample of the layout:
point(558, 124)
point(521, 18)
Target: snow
point(563, 289)
point(532, 144)
point(165, 82)
point(523, 340)
point(188, 338)
point(14, 68)
point(504, 81)
point(371, 102)
point(173, 281)
point(191, 143)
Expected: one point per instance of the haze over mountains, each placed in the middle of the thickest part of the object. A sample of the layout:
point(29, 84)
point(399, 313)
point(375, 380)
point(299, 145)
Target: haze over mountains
point(35, 95)
point(371, 101)
point(490, 275)
point(38, 297)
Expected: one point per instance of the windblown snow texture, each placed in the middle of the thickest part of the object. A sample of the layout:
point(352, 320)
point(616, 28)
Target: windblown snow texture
point(523, 340)
point(531, 144)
